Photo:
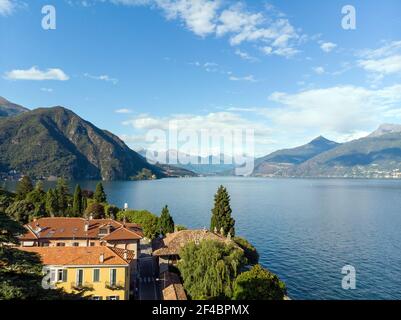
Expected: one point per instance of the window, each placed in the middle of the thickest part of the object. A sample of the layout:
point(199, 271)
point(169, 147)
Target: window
point(45, 244)
point(103, 231)
point(113, 298)
point(75, 244)
point(60, 244)
point(113, 277)
point(92, 244)
point(97, 298)
point(96, 275)
point(61, 275)
point(80, 277)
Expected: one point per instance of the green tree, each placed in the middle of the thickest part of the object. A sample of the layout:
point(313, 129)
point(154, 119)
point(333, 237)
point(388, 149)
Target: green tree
point(96, 210)
point(166, 222)
point(6, 199)
point(62, 193)
point(147, 220)
point(77, 206)
point(24, 186)
point(258, 284)
point(38, 198)
point(111, 211)
point(209, 269)
point(221, 213)
point(250, 252)
point(100, 195)
point(21, 211)
point(52, 207)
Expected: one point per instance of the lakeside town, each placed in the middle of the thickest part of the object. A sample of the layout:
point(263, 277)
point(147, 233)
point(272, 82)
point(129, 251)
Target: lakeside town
point(78, 246)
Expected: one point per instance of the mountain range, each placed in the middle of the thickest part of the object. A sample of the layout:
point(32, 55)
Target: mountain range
point(208, 165)
point(55, 142)
point(376, 156)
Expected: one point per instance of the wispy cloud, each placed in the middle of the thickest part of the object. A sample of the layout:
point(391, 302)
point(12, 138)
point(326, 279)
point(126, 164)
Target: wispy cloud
point(245, 55)
point(233, 20)
point(328, 46)
point(249, 78)
point(123, 111)
point(46, 90)
point(36, 74)
point(102, 78)
point(6, 7)
point(382, 61)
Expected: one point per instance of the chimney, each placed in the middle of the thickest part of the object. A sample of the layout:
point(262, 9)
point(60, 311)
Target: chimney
point(86, 225)
point(101, 258)
point(91, 217)
point(125, 255)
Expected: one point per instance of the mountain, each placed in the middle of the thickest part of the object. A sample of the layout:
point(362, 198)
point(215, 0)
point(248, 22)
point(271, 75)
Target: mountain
point(210, 165)
point(375, 156)
point(279, 162)
point(55, 141)
point(8, 109)
point(385, 129)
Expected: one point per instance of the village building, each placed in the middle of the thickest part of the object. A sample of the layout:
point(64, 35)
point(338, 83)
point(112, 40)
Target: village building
point(101, 273)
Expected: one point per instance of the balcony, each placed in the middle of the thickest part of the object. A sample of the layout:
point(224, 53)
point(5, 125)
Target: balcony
point(115, 285)
point(86, 286)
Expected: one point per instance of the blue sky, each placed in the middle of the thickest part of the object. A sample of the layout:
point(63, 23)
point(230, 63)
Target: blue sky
point(286, 69)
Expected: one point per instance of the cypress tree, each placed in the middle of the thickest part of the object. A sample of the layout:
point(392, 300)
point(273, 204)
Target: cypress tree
point(221, 213)
point(100, 195)
point(52, 207)
point(77, 206)
point(62, 194)
point(24, 187)
point(166, 222)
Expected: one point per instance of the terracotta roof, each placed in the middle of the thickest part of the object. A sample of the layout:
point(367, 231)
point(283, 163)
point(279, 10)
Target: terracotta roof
point(174, 242)
point(172, 288)
point(120, 252)
point(74, 228)
point(69, 256)
point(123, 234)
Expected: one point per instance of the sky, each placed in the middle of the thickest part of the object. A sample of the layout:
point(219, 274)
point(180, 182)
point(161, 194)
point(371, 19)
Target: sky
point(286, 69)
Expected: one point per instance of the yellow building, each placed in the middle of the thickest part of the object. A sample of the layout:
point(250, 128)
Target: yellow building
point(103, 273)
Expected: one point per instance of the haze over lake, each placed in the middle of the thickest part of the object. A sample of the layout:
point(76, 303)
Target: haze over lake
point(304, 230)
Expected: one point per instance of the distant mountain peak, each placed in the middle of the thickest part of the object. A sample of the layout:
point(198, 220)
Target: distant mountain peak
point(386, 128)
point(9, 109)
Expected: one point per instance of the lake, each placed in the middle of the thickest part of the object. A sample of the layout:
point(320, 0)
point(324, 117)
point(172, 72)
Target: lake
point(305, 230)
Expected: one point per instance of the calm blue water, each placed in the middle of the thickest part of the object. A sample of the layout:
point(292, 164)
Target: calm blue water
point(304, 230)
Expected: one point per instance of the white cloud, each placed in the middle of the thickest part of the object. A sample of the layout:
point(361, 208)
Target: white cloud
point(388, 49)
point(35, 74)
point(102, 78)
point(244, 55)
point(269, 27)
point(6, 7)
point(249, 78)
point(123, 111)
point(198, 15)
point(339, 111)
point(327, 46)
point(46, 90)
point(389, 65)
point(319, 70)
point(217, 123)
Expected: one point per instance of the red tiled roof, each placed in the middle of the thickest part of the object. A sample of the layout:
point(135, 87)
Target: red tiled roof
point(121, 252)
point(172, 288)
point(74, 228)
point(122, 234)
point(174, 242)
point(69, 256)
